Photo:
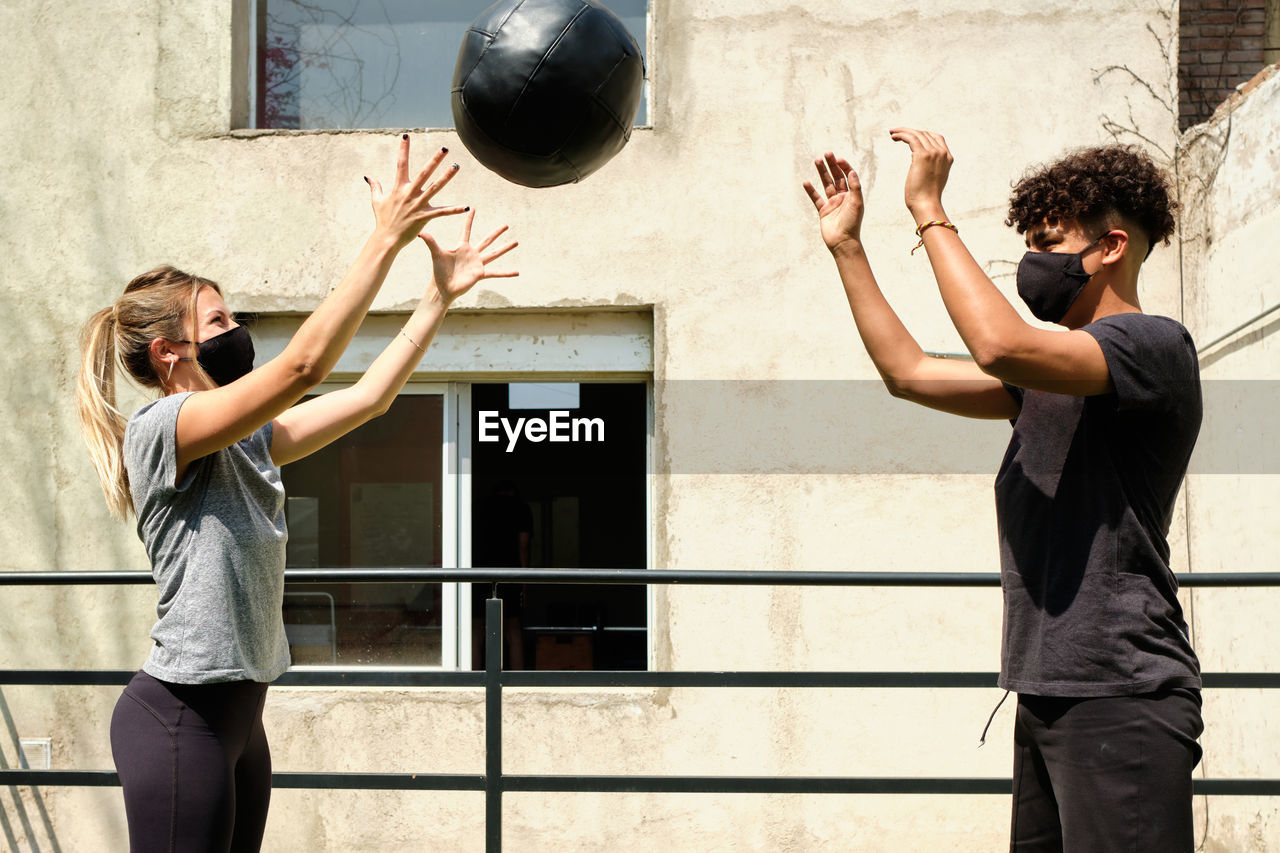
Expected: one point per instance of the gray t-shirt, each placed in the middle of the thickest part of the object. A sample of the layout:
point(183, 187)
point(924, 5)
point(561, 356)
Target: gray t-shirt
point(216, 540)
point(1084, 499)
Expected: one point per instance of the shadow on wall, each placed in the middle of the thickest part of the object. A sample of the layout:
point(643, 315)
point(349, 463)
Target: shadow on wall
point(1243, 342)
point(20, 804)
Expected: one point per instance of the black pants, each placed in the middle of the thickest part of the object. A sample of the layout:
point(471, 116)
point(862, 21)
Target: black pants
point(1106, 774)
point(194, 764)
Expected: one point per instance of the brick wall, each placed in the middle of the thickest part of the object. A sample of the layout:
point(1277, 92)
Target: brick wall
point(1222, 43)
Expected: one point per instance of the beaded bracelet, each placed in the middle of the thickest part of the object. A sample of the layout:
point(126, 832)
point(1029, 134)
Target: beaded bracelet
point(923, 225)
point(412, 341)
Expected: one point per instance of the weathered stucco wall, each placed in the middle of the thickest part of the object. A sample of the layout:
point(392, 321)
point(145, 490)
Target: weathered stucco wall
point(1229, 167)
point(119, 154)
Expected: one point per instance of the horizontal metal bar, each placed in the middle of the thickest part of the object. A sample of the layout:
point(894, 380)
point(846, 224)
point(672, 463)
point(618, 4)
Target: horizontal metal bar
point(1236, 787)
point(731, 577)
point(66, 677)
point(548, 576)
point(603, 678)
point(829, 785)
point(627, 784)
point(754, 785)
point(292, 678)
point(330, 781)
point(380, 781)
point(61, 778)
point(1220, 680)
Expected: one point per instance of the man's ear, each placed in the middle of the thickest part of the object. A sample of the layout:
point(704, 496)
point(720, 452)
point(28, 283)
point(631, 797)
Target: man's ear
point(1116, 245)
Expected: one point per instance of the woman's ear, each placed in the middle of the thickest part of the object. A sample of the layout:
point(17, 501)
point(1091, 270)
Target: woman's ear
point(164, 354)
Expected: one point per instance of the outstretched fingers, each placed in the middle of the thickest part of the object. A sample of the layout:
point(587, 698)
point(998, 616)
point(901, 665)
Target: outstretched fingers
point(487, 241)
point(837, 170)
point(435, 212)
point(847, 172)
point(402, 161)
point(814, 195)
point(489, 257)
point(466, 226)
point(825, 176)
point(488, 254)
point(432, 164)
point(835, 174)
point(437, 183)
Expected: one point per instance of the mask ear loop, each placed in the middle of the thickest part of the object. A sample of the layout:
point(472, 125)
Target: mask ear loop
point(169, 375)
point(1098, 239)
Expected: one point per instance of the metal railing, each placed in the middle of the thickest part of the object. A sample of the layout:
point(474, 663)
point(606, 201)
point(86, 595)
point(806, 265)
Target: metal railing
point(493, 679)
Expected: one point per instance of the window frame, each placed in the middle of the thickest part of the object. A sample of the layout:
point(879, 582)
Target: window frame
point(247, 16)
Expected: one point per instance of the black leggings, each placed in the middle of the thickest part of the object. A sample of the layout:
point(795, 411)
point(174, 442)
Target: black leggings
point(194, 764)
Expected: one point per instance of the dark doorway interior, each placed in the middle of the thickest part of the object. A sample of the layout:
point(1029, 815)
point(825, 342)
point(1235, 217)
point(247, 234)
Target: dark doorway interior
point(585, 504)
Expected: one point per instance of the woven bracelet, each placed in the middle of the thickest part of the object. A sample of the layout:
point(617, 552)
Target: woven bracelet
point(924, 225)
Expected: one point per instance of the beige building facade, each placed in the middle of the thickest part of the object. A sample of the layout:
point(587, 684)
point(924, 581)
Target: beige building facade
point(689, 266)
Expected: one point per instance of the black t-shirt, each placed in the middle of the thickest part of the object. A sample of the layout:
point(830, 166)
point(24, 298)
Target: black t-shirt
point(1084, 498)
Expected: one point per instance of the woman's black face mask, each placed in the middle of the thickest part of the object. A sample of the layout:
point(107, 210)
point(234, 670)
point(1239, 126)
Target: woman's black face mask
point(1050, 281)
point(226, 357)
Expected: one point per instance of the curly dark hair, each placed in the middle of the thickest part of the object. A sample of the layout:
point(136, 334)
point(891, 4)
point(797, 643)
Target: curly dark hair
point(1095, 186)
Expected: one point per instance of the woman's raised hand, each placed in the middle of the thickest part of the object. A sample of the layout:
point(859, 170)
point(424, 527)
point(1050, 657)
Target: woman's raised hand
point(402, 211)
point(455, 270)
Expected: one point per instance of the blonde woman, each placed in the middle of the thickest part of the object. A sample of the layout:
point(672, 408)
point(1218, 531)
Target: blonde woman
point(199, 469)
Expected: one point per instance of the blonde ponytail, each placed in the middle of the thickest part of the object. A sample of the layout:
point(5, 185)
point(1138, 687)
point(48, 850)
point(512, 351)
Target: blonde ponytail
point(157, 304)
point(100, 421)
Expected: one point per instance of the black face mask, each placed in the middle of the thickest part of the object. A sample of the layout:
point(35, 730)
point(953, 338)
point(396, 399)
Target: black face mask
point(1050, 281)
point(226, 357)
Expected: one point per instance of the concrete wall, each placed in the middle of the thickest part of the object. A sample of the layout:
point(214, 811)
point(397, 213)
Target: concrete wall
point(119, 154)
point(1229, 168)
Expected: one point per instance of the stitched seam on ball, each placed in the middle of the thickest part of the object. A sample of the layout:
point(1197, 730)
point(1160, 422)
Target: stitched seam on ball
point(550, 50)
point(577, 172)
point(477, 129)
point(595, 96)
point(492, 37)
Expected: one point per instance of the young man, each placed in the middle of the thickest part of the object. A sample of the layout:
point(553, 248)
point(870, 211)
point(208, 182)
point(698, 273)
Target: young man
point(1105, 413)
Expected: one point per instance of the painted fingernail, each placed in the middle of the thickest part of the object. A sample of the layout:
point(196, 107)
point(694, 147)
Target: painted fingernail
point(444, 150)
point(465, 209)
point(455, 165)
point(405, 136)
point(366, 179)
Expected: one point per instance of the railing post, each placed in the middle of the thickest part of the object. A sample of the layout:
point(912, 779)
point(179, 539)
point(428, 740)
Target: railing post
point(493, 723)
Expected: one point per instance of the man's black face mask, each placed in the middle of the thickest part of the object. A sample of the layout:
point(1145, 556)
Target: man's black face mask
point(1050, 281)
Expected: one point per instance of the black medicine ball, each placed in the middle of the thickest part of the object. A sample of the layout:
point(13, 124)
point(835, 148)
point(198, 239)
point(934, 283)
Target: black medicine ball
point(546, 91)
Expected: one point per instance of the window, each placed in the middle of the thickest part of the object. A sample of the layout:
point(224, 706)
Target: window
point(548, 476)
point(344, 64)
